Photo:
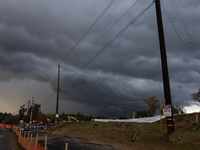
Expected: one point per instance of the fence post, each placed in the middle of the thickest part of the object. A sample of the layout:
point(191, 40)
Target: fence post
point(30, 142)
point(197, 117)
point(22, 137)
point(24, 134)
point(19, 136)
point(36, 141)
point(24, 140)
point(66, 146)
point(27, 140)
point(45, 142)
point(28, 135)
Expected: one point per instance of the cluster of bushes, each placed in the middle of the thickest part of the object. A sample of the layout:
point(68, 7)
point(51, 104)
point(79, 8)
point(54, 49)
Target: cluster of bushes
point(8, 118)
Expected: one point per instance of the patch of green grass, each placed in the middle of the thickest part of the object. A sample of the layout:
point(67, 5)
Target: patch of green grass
point(15, 139)
point(112, 137)
point(129, 137)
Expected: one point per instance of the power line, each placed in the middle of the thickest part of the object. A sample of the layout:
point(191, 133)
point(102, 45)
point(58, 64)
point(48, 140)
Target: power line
point(104, 33)
point(108, 44)
point(102, 49)
point(95, 22)
point(48, 98)
point(73, 75)
point(181, 38)
point(179, 16)
point(184, 26)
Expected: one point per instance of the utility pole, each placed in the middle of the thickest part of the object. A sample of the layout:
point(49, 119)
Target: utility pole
point(31, 110)
point(28, 107)
point(57, 115)
point(34, 115)
point(170, 122)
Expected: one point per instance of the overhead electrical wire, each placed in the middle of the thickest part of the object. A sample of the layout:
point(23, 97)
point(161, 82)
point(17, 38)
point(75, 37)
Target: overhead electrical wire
point(105, 46)
point(180, 18)
point(110, 42)
point(39, 89)
point(181, 38)
point(104, 33)
point(184, 26)
point(95, 22)
point(47, 98)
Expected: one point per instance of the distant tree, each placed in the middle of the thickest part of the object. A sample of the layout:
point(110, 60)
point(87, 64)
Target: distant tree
point(1, 117)
point(178, 110)
point(122, 117)
point(196, 98)
point(101, 117)
point(142, 113)
point(153, 104)
point(63, 116)
point(16, 119)
point(36, 110)
point(22, 111)
point(9, 119)
point(91, 117)
point(40, 115)
point(131, 115)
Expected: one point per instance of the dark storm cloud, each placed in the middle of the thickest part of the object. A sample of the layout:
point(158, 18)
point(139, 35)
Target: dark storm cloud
point(36, 35)
point(105, 90)
point(19, 67)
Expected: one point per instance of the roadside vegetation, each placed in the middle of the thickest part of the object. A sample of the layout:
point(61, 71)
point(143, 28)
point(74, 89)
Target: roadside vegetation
point(15, 139)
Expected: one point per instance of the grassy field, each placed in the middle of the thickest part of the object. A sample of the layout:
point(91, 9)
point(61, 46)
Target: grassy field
point(119, 135)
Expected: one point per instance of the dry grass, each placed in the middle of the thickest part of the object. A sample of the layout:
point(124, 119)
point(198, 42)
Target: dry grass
point(120, 135)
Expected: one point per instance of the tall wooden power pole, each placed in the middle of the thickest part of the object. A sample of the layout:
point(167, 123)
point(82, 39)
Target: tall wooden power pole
point(57, 103)
point(31, 110)
point(170, 122)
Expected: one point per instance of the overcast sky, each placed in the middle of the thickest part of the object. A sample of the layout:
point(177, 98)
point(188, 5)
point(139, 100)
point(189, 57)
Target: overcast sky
point(101, 75)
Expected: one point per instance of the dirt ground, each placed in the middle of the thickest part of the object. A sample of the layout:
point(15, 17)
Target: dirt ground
point(120, 135)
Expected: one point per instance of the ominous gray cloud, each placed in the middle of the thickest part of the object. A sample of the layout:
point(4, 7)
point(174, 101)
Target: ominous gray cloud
point(35, 36)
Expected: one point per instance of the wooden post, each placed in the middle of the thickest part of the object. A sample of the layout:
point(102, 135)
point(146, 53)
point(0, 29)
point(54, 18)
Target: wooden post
point(30, 142)
point(36, 141)
point(24, 134)
point(66, 146)
point(19, 136)
point(197, 117)
point(27, 140)
point(166, 84)
point(24, 139)
point(45, 142)
point(57, 102)
point(160, 117)
point(28, 135)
